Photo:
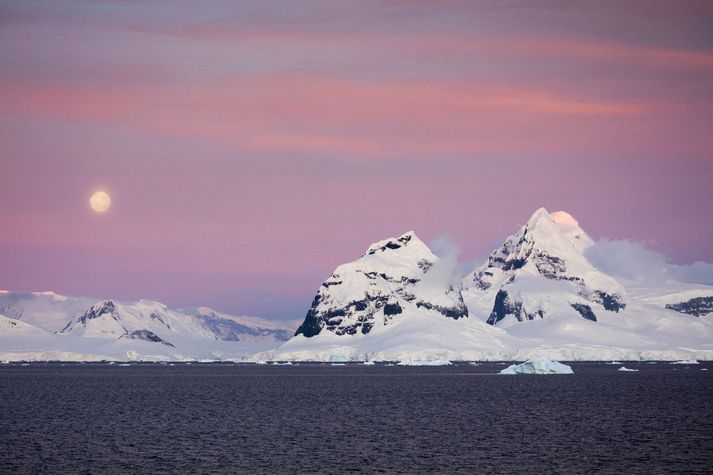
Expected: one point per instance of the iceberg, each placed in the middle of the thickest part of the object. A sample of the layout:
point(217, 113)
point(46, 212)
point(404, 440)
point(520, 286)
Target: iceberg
point(624, 368)
point(686, 362)
point(538, 366)
point(425, 362)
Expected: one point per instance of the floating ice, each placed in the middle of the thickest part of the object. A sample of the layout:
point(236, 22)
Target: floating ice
point(435, 362)
point(538, 366)
point(686, 362)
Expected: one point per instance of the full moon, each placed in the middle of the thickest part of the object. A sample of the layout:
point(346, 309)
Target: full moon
point(100, 201)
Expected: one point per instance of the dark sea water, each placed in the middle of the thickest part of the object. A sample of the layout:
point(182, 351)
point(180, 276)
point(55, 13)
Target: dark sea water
point(202, 418)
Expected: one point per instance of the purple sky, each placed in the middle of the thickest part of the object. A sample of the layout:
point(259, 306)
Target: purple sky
point(251, 147)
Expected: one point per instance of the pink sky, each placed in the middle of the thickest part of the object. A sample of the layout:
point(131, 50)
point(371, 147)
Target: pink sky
point(249, 149)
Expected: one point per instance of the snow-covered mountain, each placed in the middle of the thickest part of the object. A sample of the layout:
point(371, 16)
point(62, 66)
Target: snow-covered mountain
point(143, 320)
point(542, 270)
point(537, 295)
point(46, 325)
point(393, 279)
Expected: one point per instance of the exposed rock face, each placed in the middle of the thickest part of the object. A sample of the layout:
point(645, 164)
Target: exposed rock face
point(541, 269)
point(697, 306)
point(146, 335)
point(394, 278)
point(104, 308)
point(585, 311)
point(505, 306)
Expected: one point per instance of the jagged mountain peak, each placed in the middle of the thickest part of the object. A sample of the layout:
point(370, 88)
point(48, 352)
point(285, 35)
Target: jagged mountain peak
point(99, 309)
point(105, 305)
point(542, 268)
point(537, 216)
point(570, 228)
point(391, 280)
point(406, 244)
point(543, 245)
point(544, 231)
point(543, 226)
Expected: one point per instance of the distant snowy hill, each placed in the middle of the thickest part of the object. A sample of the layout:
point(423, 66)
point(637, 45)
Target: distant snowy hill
point(45, 325)
point(46, 310)
point(9, 327)
point(143, 320)
point(394, 279)
point(239, 328)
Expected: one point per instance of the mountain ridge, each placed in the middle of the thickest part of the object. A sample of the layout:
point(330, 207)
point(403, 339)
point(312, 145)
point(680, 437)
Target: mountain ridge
point(538, 294)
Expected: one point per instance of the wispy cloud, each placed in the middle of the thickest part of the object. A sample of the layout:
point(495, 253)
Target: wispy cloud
point(298, 113)
point(634, 261)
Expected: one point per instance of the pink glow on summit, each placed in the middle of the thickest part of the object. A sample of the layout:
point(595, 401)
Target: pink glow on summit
point(250, 148)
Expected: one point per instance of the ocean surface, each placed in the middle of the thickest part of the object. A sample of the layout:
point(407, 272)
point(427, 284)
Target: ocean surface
point(225, 418)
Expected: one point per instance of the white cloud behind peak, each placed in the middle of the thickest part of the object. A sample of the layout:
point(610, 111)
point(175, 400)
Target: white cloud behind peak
point(633, 261)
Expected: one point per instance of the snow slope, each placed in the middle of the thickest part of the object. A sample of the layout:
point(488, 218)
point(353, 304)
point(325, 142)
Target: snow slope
point(422, 336)
point(637, 333)
point(12, 328)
